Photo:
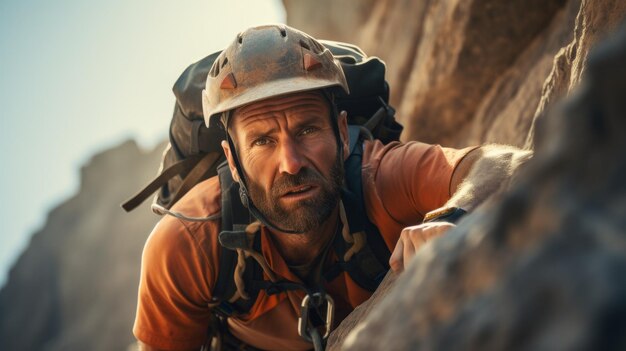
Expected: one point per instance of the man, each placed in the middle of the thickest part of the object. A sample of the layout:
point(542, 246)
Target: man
point(272, 89)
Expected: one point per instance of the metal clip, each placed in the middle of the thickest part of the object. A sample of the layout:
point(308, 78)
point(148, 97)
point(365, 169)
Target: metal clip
point(315, 300)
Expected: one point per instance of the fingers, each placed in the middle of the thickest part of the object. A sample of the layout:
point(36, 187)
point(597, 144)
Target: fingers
point(396, 260)
point(408, 252)
point(411, 239)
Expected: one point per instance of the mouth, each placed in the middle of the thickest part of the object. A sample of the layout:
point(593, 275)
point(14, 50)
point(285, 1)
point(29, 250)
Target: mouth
point(299, 192)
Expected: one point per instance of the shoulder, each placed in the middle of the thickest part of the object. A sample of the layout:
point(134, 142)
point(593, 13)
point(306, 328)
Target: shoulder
point(179, 269)
point(403, 181)
point(411, 158)
point(374, 151)
point(203, 200)
point(177, 242)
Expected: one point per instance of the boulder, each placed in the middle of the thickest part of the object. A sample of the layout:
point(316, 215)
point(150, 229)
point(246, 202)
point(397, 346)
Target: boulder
point(542, 267)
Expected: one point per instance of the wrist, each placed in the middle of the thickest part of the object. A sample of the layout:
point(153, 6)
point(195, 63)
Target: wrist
point(445, 214)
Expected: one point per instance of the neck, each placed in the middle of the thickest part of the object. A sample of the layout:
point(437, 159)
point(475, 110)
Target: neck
point(299, 249)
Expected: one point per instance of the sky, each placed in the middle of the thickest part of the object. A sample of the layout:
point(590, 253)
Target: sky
point(80, 76)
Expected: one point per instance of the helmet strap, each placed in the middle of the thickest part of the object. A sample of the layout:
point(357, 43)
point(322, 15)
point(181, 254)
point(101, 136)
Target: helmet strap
point(334, 119)
point(244, 194)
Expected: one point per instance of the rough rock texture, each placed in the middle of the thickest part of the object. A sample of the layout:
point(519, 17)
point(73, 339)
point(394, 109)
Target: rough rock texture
point(480, 71)
point(336, 338)
point(75, 286)
point(464, 46)
point(468, 72)
point(594, 21)
point(337, 20)
point(543, 267)
point(461, 72)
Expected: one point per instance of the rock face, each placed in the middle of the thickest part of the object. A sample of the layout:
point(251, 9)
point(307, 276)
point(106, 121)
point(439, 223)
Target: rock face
point(468, 72)
point(485, 71)
point(339, 20)
point(542, 268)
point(75, 286)
point(461, 72)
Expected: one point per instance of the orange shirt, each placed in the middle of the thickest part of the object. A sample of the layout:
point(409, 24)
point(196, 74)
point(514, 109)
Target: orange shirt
point(401, 182)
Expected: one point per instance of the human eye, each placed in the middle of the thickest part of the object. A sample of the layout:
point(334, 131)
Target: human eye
point(261, 141)
point(308, 130)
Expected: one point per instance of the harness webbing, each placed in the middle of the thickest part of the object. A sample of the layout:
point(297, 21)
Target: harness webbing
point(367, 267)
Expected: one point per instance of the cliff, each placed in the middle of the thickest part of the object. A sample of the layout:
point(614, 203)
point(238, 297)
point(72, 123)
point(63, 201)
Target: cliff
point(74, 288)
point(461, 72)
point(468, 72)
point(541, 268)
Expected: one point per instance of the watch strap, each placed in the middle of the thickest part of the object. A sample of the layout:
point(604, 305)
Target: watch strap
point(446, 214)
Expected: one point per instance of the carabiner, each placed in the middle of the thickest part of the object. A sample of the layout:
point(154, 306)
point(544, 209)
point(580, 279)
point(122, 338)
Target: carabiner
point(315, 300)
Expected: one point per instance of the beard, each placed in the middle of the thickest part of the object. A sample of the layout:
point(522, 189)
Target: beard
point(308, 214)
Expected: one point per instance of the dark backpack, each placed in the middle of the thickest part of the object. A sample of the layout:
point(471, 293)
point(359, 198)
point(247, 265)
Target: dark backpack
point(194, 151)
point(195, 154)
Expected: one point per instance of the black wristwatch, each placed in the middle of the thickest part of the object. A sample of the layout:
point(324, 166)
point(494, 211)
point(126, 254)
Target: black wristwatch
point(446, 214)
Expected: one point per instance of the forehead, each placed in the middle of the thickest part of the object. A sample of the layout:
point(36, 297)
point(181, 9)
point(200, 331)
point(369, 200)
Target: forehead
point(292, 105)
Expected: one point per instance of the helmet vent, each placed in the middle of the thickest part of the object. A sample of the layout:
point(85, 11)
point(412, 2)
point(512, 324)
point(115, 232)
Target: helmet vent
point(228, 82)
point(215, 70)
point(225, 62)
point(310, 62)
point(305, 45)
point(283, 31)
point(317, 47)
point(240, 38)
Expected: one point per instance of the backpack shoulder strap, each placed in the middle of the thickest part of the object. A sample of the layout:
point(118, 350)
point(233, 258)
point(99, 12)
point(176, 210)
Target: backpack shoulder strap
point(369, 266)
point(235, 217)
point(357, 216)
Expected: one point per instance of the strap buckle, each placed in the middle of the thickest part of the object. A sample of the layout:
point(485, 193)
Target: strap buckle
point(308, 332)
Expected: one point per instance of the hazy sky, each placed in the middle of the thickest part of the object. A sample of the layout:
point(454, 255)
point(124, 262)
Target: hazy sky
point(79, 76)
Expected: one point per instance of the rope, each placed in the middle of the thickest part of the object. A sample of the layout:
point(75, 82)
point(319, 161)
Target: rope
point(239, 269)
point(345, 231)
point(358, 239)
point(263, 263)
point(251, 230)
point(359, 242)
point(316, 339)
point(242, 254)
point(160, 210)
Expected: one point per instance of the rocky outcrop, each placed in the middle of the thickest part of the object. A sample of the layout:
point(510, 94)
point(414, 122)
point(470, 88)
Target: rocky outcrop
point(479, 71)
point(469, 72)
point(75, 286)
point(594, 21)
point(543, 268)
point(339, 20)
point(463, 47)
point(545, 263)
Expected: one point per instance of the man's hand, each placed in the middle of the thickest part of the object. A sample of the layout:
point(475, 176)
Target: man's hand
point(411, 239)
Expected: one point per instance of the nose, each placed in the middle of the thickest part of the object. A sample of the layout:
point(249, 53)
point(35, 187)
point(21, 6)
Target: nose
point(291, 158)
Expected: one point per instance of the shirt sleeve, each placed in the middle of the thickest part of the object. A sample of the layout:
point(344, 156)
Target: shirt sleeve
point(175, 286)
point(403, 182)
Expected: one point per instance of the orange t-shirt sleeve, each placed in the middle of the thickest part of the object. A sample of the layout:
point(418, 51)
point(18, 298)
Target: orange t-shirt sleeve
point(175, 285)
point(403, 182)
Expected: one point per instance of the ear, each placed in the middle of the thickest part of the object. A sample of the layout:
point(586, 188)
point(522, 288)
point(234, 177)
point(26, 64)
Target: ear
point(231, 162)
point(342, 121)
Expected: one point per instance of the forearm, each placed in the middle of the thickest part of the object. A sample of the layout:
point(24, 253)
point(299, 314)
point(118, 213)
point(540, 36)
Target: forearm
point(483, 172)
point(488, 170)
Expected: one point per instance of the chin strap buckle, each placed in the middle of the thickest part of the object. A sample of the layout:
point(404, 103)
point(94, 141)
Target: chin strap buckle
point(305, 329)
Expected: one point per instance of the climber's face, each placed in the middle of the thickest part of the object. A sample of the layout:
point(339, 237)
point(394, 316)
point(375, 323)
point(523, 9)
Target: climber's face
point(288, 151)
